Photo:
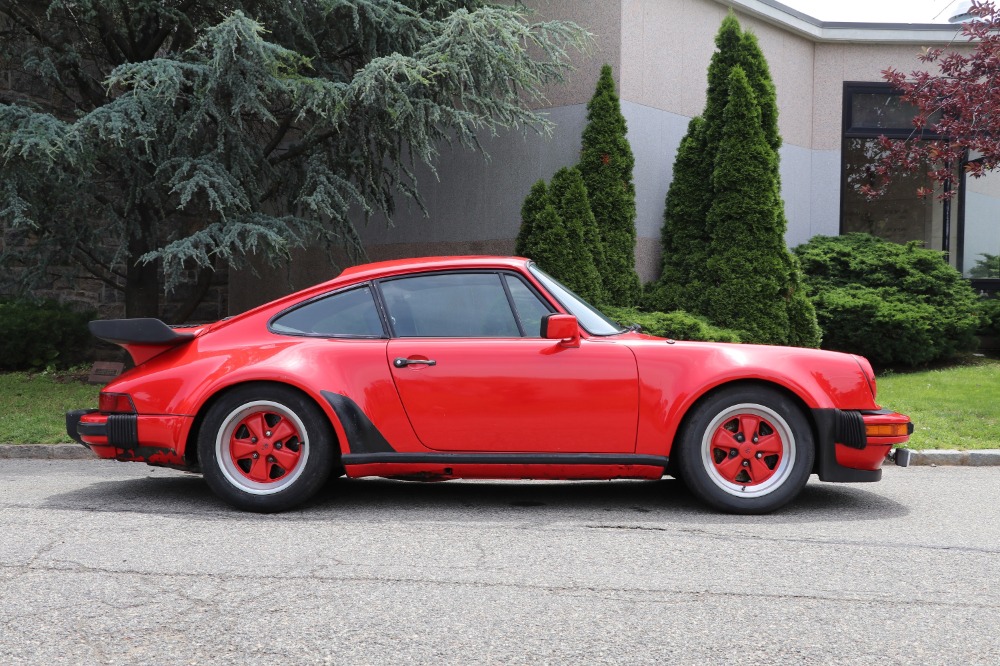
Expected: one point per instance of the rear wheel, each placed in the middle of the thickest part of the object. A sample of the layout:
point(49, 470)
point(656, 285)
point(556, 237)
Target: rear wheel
point(746, 450)
point(265, 448)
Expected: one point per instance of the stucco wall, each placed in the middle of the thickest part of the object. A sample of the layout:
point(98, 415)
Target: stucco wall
point(660, 51)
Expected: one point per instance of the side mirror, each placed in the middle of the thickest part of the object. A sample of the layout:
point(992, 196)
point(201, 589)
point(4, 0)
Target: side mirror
point(561, 327)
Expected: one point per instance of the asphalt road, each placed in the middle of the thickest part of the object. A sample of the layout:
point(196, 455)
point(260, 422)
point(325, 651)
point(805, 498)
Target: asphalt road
point(120, 563)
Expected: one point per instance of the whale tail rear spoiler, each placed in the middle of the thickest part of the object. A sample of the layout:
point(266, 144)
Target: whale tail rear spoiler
point(142, 338)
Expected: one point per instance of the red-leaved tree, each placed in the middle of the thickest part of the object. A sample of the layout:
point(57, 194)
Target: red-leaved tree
point(960, 104)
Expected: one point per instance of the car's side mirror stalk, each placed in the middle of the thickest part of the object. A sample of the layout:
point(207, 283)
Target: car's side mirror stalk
point(561, 327)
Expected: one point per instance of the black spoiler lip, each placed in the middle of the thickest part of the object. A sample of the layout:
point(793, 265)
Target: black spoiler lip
point(146, 331)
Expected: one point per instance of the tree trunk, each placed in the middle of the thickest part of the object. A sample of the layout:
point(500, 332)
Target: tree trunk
point(142, 281)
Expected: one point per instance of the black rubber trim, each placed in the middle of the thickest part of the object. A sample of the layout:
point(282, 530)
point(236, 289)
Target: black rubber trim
point(875, 412)
point(851, 430)
point(362, 435)
point(73, 424)
point(92, 429)
point(827, 466)
point(506, 459)
point(137, 332)
point(123, 431)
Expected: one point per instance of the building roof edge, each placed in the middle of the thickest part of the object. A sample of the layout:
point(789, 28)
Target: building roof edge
point(783, 16)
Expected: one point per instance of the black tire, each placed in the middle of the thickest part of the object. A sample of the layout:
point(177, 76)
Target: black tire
point(746, 450)
point(266, 448)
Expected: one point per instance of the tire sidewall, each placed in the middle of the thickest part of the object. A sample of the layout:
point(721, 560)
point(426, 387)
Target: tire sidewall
point(317, 464)
point(693, 466)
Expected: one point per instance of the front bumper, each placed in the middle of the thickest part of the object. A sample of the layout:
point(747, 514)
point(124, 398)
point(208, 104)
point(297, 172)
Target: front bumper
point(157, 440)
point(845, 453)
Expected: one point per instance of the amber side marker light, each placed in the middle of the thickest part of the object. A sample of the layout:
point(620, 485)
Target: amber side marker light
point(116, 403)
point(890, 430)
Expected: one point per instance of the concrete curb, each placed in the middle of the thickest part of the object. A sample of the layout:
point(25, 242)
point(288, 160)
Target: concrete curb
point(928, 457)
point(46, 452)
point(942, 457)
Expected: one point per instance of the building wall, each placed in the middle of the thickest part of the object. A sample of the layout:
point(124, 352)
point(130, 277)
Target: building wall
point(660, 51)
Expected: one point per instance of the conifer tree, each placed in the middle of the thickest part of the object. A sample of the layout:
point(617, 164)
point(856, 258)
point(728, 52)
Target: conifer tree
point(184, 135)
point(684, 243)
point(606, 163)
point(553, 249)
point(803, 327)
point(569, 196)
point(696, 274)
point(534, 204)
point(747, 247)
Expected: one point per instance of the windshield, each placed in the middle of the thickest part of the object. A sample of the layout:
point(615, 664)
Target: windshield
point(592, 320)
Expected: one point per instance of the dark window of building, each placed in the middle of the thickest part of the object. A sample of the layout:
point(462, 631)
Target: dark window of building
point(872, 110)
point(967, 227)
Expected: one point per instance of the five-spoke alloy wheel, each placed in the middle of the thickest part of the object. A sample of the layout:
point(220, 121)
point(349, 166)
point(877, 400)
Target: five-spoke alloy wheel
point(265, 448)
point(746, 450)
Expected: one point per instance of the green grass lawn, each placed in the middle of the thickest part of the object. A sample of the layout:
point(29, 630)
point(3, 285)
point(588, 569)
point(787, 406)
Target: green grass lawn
point(957, 407)
point(32, 406)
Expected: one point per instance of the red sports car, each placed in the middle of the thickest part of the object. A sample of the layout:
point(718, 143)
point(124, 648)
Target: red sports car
point(478, 367)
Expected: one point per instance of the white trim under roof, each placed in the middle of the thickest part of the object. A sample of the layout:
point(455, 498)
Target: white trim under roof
point(834, 31)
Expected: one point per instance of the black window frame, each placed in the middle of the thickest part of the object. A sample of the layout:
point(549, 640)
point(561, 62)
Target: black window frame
point(849, 131)
point(379, 309)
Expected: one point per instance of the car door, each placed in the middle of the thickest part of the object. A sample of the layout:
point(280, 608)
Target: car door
point(474, 375)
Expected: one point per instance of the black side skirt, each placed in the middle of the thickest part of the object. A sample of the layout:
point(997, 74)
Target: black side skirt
point(506, 459)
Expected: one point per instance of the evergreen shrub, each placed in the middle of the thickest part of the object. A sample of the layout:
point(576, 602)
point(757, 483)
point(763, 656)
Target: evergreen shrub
point(990, 323)
point(895, 304)
point(37, 335)
point(678, 325)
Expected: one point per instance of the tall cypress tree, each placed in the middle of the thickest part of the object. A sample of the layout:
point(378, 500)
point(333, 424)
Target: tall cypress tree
point(729, 52)
point(747, 248)
point(606, 163)
point(534, 203)
point(551, 241)
point(684, 243)
point(697, 202)
point(804, 329)
point(569, 196)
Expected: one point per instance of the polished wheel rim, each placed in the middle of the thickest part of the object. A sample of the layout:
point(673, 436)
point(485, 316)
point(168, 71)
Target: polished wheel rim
point(748, 450)
point(262, 447)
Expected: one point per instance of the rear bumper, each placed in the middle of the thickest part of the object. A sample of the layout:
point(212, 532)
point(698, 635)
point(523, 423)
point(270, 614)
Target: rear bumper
point(844, 452)
point(157, 440)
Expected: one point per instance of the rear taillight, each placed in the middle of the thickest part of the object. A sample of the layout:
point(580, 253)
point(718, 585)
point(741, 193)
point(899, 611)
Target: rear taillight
point(116, 403)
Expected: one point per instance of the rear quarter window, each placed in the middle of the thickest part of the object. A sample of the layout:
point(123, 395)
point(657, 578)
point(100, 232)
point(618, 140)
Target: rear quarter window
point(351, 313)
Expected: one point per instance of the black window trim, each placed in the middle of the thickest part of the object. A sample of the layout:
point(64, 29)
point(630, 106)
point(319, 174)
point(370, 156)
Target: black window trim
point(876, 87)
point(499, 272)
point(339, 336)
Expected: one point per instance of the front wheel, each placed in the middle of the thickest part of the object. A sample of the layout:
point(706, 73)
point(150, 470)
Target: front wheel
point(746, 450)
point(265, 449)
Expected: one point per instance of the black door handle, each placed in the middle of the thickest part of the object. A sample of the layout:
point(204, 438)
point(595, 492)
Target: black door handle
point(403, 362)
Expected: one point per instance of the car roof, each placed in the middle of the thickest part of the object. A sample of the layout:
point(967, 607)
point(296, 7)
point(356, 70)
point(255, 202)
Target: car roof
point(382, 269)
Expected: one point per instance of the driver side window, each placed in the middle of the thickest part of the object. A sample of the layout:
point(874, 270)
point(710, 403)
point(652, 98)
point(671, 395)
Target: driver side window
point(449, 305)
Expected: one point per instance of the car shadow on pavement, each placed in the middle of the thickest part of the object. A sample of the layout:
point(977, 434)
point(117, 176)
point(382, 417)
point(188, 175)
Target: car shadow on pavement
point(363, 499)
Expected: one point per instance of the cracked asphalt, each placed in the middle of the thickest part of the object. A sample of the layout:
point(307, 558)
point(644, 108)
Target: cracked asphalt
point(105, 563)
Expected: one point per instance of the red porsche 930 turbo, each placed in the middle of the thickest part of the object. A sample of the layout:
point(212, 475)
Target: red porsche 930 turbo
point(478, 367)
